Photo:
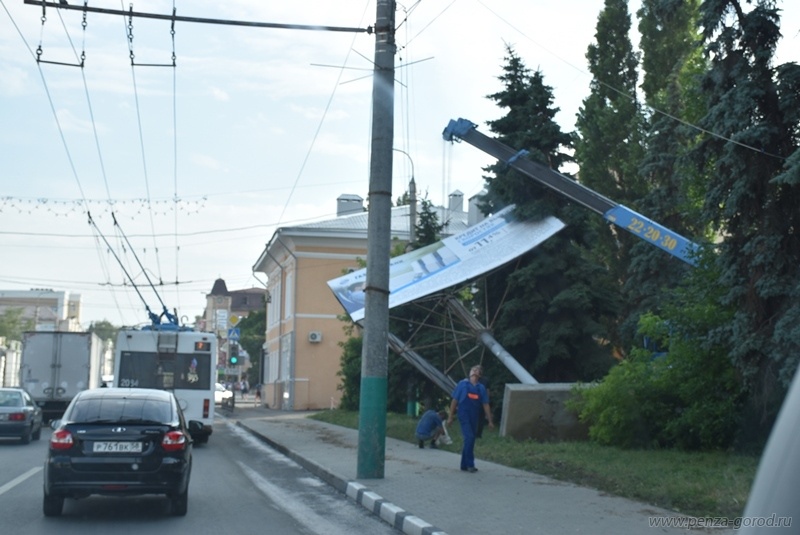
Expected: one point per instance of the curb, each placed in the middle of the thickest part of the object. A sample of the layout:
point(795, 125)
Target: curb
point(393, 515)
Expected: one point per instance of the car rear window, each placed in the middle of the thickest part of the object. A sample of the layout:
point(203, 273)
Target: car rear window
point(10, 399)
point(120, 409)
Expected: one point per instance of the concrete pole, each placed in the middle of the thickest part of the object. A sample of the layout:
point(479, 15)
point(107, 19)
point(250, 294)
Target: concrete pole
point(375, 353)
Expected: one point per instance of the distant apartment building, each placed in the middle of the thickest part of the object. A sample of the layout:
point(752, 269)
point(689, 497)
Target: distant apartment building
point(303, 326)
point(44, 309)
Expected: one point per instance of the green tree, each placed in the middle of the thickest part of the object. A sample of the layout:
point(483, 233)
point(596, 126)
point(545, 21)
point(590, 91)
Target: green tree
point(672, 64)
point(405, 383)
point(555, 304)
point(252, 335)
point(428, 228)
point(350, 367)
point(753, 196)
point(12, 324)
point(609, 144)
point(105, 330)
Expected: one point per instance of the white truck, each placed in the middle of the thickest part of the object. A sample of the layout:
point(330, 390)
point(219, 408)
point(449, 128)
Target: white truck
point(55, 366)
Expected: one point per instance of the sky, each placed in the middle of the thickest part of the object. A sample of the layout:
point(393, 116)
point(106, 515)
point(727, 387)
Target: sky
point(187, 171)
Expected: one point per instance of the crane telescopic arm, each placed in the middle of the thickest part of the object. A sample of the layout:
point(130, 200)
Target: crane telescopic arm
point(622, 216)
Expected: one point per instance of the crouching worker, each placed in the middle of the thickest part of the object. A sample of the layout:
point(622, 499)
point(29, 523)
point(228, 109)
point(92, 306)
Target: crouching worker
point(430, 427)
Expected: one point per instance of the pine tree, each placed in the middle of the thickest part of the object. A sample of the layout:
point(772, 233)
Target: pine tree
point(554, 304)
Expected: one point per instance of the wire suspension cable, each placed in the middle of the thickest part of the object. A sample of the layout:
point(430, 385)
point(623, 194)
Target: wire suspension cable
point(153, 317)
point(165, 312)
point(316, 28)
point(141, 140)
point(175, 197)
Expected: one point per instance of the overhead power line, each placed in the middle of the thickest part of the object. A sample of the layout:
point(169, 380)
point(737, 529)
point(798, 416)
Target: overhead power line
point(178, 18)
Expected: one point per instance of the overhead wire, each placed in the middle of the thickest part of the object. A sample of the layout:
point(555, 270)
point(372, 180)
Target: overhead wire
point(406, 90)
point(129, 34)
point(175, 153)
point(633, 98)
point(321, 122)
point(104, 267)
point(51, 103)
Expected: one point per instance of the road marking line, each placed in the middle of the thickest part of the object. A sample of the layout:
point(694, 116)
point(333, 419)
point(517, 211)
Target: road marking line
point(19, 479)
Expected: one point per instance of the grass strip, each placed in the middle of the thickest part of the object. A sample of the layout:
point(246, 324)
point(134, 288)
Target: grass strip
point(701, 484)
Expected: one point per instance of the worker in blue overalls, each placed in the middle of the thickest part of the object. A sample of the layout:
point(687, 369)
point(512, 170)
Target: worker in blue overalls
point(469, 398)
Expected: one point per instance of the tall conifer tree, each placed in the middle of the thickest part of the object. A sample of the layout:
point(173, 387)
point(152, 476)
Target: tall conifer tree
point(609, 143)
point(553, 307)
point(671, 63)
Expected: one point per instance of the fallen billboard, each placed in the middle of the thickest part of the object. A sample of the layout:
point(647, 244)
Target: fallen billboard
point(482, 247)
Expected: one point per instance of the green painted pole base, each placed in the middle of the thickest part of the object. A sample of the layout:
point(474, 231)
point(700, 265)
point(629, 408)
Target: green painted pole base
point(372, 428)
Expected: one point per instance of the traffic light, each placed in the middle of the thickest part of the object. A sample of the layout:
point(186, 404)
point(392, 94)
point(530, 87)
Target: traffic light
point(233, 357)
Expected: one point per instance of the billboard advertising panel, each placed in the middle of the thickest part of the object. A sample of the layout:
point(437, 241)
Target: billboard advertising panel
point(491, 243)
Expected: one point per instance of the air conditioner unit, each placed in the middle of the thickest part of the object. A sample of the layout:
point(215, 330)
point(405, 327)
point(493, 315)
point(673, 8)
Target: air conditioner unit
point(315, 337)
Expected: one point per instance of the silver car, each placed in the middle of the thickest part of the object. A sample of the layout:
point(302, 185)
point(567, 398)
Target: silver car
point(20, 417)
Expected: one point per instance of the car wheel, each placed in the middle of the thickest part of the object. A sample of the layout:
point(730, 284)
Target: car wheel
point(180, 503)
point(52, 505)
point(26, 437)
point(37, 434)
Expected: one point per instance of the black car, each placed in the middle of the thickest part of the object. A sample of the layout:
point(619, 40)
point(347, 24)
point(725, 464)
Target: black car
point(20, 417)
point(119, 442)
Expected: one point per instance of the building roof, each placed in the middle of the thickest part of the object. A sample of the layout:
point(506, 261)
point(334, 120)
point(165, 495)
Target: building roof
point(219, 288)
point(455, 222)
point(354, 225)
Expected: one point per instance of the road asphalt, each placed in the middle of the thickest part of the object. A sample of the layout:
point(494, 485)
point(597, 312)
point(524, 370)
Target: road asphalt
point(423, 491)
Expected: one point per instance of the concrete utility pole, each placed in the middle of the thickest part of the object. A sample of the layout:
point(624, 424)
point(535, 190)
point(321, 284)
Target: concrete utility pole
point(375, 353)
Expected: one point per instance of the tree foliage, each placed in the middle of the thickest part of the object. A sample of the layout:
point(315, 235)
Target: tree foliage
point(671, 62)
point(730, 325)
point(679, 390)
point(105, 330)
point(609, 144)
point(753, 194)
point(12, 324)
point(252, 335)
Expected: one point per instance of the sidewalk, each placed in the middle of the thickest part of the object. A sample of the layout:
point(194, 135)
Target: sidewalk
point(424, 492)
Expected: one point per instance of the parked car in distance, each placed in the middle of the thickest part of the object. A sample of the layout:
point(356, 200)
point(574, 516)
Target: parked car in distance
point(119, 442)
point(20, 416)
point(222, 394)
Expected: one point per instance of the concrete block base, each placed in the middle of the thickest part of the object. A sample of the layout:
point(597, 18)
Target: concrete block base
point(537, 412)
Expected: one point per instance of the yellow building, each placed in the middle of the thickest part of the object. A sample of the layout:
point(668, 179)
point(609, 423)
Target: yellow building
point(303, 326)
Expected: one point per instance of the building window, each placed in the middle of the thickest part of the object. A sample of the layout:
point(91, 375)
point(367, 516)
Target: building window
point(289, 305)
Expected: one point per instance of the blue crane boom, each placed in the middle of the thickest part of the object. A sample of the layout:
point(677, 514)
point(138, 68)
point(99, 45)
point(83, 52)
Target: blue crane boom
point(621, 216)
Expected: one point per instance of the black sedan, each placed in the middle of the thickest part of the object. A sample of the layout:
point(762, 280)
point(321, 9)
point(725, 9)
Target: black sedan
point(20, 417)
point(119, 442)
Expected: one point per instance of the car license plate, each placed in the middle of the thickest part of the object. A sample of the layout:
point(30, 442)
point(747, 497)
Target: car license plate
point(117, 447)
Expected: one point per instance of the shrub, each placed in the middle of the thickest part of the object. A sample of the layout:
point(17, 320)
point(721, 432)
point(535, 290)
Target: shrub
point(689, 397)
